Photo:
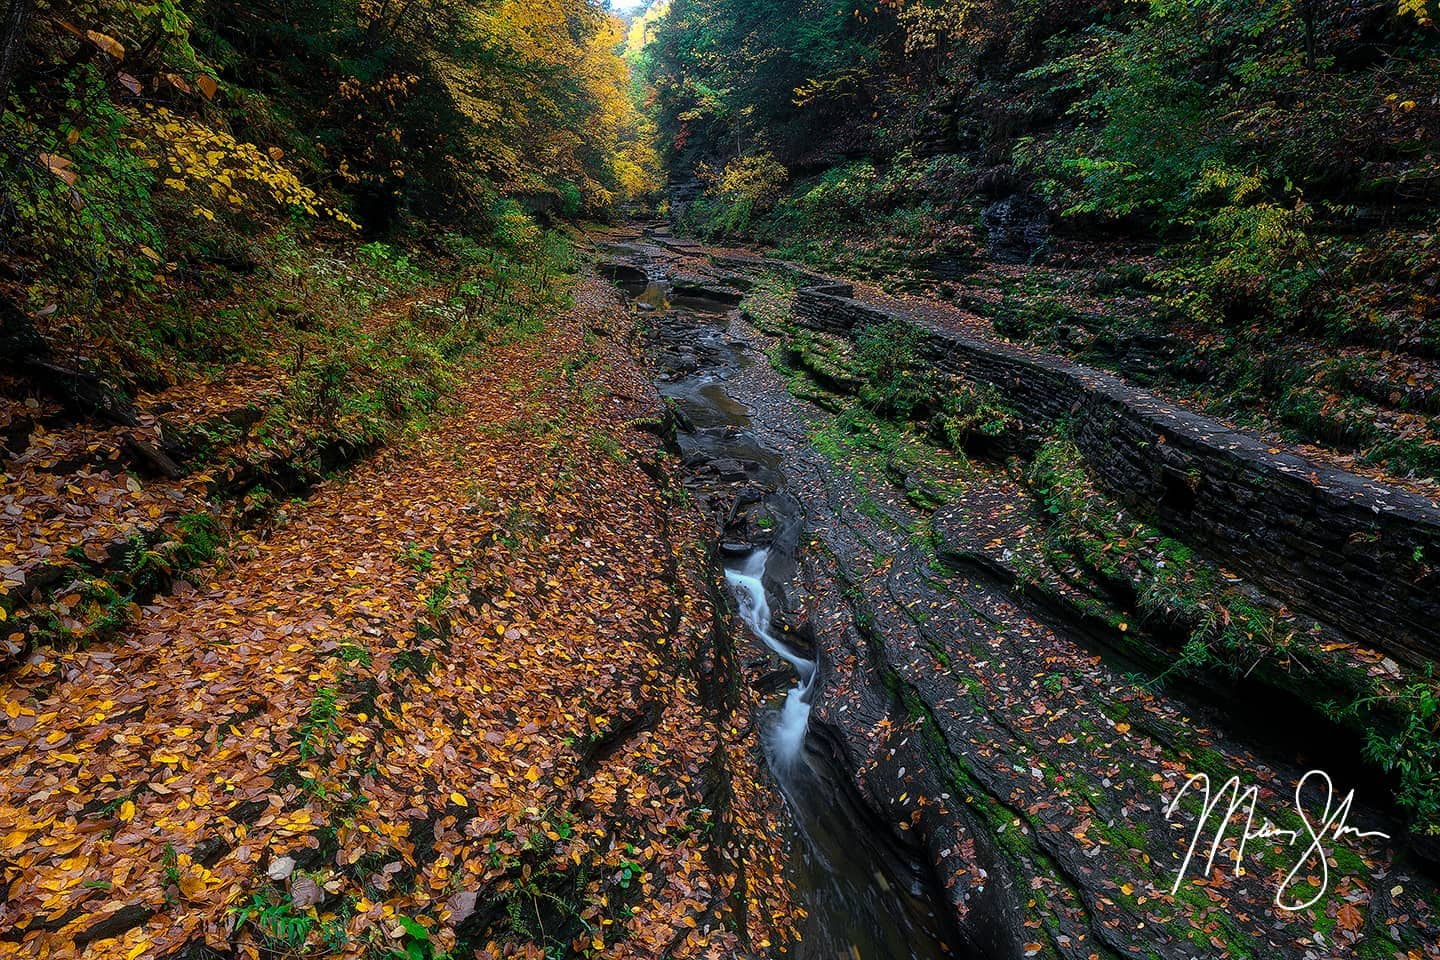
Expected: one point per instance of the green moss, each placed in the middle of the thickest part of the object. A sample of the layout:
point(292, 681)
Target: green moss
point(1205, 915)
point(896, 384)
point(1123, 835)
point(769, 305)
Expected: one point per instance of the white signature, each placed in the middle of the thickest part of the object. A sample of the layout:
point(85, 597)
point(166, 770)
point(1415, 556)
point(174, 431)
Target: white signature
point(1331, 824)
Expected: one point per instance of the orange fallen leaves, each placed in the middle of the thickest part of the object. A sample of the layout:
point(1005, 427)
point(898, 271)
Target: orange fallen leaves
point(405, 690)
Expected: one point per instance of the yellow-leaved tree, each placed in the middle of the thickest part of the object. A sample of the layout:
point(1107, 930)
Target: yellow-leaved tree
point(581, 139)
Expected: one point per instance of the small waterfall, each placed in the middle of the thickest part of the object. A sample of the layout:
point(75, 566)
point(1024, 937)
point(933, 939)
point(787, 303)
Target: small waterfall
point(788, 732)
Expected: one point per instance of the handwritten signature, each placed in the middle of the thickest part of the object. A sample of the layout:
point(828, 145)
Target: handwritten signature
point(1332, 825)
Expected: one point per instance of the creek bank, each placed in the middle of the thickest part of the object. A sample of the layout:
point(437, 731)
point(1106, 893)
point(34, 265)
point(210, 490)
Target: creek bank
point(134, 457)
point(1349, 549)
point(457, 703)
point(116, 514)
point(1032, 770)
point(1329, 614)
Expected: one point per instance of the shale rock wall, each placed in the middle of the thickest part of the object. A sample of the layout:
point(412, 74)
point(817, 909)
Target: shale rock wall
point(1353, 552)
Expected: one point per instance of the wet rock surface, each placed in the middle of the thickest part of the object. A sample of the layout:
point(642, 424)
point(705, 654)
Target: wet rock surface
point(1017, 229)
point(1022, 771)
point(869, 890)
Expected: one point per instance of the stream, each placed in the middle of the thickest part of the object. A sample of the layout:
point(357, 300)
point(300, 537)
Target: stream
point(868, 893)
point(785, 737)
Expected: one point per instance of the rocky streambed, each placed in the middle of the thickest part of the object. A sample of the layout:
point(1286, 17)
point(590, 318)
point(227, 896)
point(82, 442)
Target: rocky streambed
point(867, 890)
point(989, 763)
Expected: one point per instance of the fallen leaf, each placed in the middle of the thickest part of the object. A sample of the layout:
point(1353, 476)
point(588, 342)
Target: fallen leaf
point(305, 893)
point(106, 43)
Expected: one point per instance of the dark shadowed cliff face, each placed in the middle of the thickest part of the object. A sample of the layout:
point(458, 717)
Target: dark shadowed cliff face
point(1007, 703)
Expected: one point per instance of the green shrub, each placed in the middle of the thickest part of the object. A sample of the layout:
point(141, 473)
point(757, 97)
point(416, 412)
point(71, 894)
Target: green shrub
point(841, 193)
point(1410, 746)
point(975, 410)
point(1253, 258)
point(393, 266)
point(101, 230)
point(746, 187)
point(896, 383)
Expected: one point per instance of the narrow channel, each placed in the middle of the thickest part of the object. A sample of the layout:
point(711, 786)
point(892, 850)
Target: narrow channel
point(867, 893)
point(785, 736)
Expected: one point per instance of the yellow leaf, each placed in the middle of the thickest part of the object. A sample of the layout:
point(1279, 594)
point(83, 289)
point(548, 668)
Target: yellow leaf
point(1126, 889)
point(138, 949)
point(127, 811)
point(1122, 728)
point(458, 800)
point(533, 773)
point(191, 885)
point(107, 43)
point(207, 86)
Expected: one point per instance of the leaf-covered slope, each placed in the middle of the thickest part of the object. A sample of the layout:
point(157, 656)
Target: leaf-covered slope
point(453, 700)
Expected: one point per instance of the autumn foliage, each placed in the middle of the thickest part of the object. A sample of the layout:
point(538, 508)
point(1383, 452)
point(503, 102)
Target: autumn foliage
point(245, 246)
point(453, 706)
point(126, 123)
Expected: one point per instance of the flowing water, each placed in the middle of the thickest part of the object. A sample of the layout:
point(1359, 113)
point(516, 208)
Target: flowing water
point(786, 735)
point(868, 893)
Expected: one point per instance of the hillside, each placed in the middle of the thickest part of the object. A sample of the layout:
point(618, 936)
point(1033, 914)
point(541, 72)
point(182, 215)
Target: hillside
point(1232, 202)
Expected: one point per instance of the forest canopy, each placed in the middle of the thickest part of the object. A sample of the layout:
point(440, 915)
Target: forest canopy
point(138, 136)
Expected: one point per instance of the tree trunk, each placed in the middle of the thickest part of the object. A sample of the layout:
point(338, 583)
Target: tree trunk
point(1307, 19)
point(12, 41)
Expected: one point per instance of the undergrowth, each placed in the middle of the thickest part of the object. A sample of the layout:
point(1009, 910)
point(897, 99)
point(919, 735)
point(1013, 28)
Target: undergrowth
point(343, 349)
point(1231, 632)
